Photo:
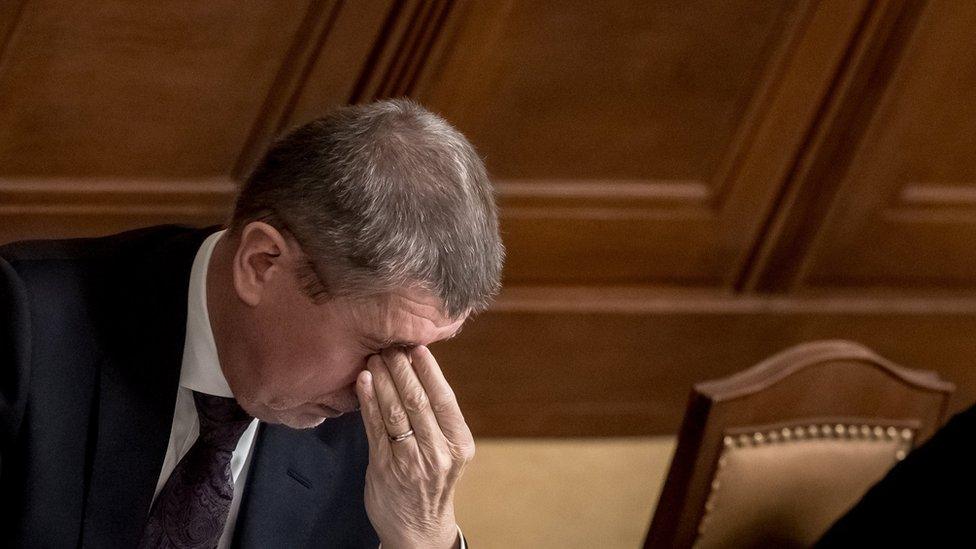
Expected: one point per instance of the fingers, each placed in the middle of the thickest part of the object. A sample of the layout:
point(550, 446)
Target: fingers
point(412, 397)
point(392, 412)
point(379, 444)
point(442, 402)
point(410, 484)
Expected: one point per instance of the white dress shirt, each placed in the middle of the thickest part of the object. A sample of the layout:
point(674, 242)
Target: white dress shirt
point(201, 372)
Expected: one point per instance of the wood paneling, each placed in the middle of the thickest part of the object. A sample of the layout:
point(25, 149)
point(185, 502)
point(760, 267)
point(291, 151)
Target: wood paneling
point(292, 74)
point(346, 57)
point(637, 143)
point(625, 91)
point(912, 176)
point(889, 191)
point(411, 32)
point(595, 362)
point(62, 208)
point(685, 186)
point(111, 102)
point(137, 89)
point(9, 16)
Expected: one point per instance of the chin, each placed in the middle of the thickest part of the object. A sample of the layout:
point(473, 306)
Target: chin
point(302, 421)
point(293, 418)
point(305, 416)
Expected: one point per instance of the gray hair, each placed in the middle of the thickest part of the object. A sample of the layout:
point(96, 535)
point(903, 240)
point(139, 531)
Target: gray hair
point(379, 197)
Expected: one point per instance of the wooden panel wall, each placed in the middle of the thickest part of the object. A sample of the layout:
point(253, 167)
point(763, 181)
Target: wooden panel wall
point(686, 186)
point(895, 173)
point(638, 142)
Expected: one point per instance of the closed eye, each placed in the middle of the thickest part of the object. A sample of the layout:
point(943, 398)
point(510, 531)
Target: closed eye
point(378, 345)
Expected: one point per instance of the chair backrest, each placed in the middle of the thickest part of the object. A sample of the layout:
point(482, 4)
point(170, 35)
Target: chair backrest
point(771, 456)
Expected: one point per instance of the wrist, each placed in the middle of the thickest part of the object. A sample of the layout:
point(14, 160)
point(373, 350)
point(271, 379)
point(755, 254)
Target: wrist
point(449, 539)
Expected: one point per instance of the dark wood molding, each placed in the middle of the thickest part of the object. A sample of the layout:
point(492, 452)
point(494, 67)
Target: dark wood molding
point(777, 260)
point(57, 208)
point(934, 203)
point(403, 44)
point(566, 199)
point(11, 13)
point(539, 199)
point(667, 301)
point(762, 105)
point(929, 195)
point(402, 75)
point(17, 195)
point(289, 81)
point(620, 362)
point(403, 48)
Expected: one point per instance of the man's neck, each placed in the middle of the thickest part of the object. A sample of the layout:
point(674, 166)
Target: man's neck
point(220, 299)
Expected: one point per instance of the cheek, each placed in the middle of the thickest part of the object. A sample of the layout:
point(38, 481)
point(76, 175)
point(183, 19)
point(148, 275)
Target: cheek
point(338, 368)
point(308, 363)
point(291, 350)
point(308, 350)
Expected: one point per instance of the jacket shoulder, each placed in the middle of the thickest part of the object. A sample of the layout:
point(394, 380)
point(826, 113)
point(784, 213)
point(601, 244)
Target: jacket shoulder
point(14, 351)
point(96, 247)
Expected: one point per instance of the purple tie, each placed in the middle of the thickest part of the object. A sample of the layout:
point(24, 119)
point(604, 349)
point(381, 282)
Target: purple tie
point(191, 509)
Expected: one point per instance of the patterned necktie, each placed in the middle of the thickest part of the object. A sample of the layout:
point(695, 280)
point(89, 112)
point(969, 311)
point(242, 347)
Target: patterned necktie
point(191, 509)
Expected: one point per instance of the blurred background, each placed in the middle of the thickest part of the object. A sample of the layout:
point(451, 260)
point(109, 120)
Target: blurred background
point(686, 187)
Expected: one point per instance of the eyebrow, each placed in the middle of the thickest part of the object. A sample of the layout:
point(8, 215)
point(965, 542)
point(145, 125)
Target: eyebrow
point(390, 342)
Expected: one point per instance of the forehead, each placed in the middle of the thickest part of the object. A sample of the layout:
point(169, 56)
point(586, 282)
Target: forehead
point(406, 316)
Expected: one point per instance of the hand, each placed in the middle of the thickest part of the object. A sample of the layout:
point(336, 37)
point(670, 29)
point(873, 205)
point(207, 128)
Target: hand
point(410, 483)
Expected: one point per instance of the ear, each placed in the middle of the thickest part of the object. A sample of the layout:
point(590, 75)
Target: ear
point(262, 257)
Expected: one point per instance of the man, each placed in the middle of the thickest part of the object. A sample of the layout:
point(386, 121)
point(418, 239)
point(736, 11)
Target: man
point(134, 369)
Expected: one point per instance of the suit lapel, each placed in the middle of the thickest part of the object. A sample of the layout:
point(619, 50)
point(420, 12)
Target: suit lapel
point(145, 325)
point(291, 474)
point(305, 488)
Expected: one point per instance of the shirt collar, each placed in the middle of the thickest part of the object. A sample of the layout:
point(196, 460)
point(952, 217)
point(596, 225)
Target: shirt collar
point(201, 366)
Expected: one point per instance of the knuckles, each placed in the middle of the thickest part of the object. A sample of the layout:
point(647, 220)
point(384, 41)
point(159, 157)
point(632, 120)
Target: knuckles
point(396, 415)
point(465, 452)
point(443, 464)
point(461, 453)
point(415, 400)
point(444, 404)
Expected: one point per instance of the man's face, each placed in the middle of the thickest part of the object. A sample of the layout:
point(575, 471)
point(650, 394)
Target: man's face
point(304, 357)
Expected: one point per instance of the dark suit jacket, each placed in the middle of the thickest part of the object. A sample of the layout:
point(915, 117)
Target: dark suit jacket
point(91, 344)
point(927, 500)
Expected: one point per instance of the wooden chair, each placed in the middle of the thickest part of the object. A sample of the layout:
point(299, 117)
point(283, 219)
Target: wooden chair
point(773, 455)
